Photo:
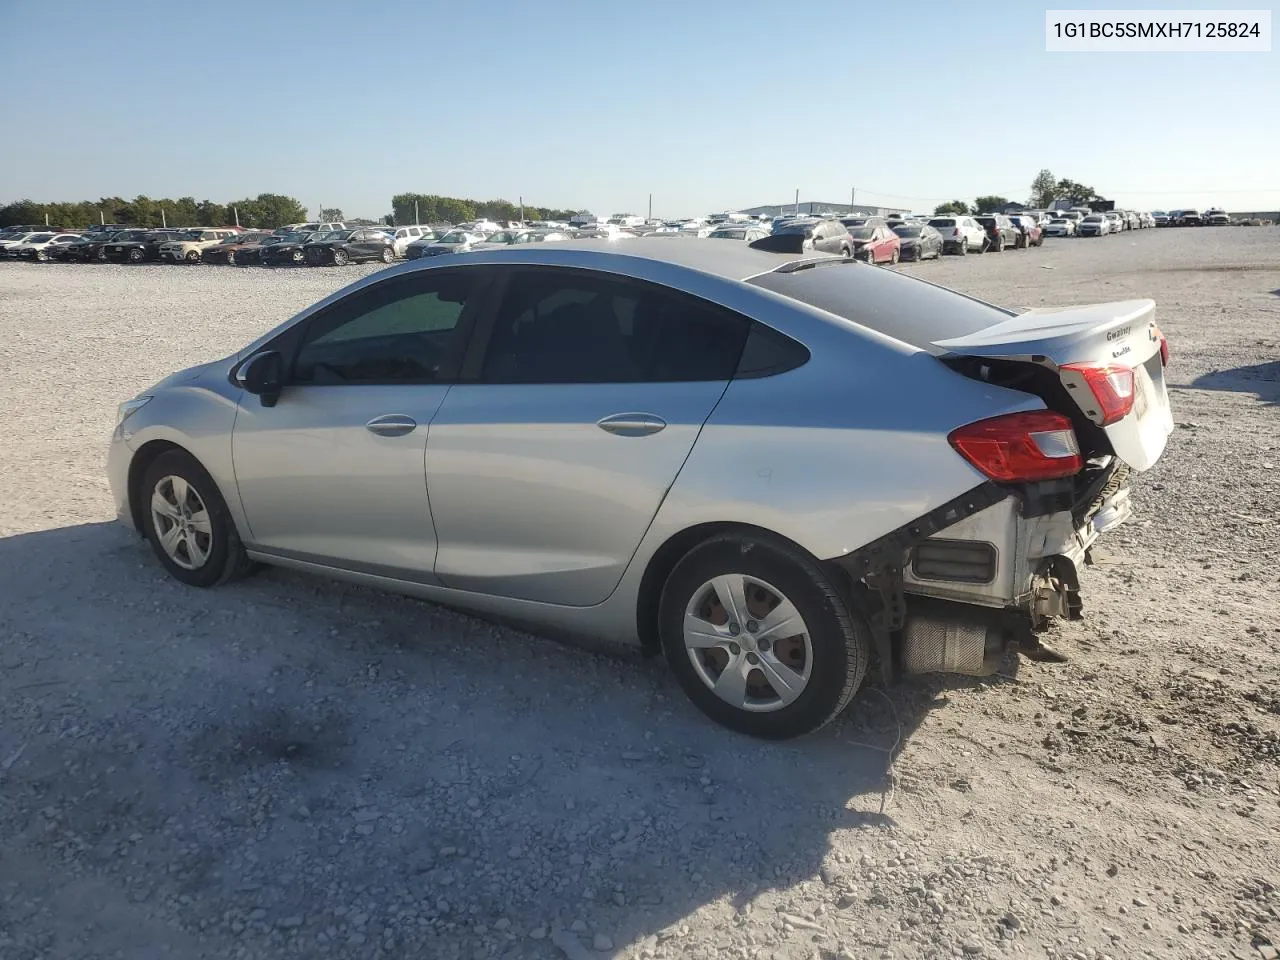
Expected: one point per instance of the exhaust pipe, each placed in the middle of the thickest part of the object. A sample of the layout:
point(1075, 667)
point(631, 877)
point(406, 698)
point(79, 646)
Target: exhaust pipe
point(944, 641)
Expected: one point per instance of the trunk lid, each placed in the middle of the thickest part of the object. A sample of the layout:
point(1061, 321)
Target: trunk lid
point(1123, 334)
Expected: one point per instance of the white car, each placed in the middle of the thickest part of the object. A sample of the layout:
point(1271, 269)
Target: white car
point(1060, 227)
point(15, 240)
point(405, 236)
point(36, 245)
point(626, 220)
point(1115, 221)
point(960, 234)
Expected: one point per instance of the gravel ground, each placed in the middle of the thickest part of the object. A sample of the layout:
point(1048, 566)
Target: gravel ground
point(291, 767)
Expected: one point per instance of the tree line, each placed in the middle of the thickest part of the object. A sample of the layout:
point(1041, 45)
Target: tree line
point(1045, 189)
point(433, 209)
point(265, 210)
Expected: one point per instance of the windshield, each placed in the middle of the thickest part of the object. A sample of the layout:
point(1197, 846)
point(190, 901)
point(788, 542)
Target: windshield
point(1059, 220)
point(907, 231)
point(862, 233)
point(503, 236)
point(335, 235)
point(942, 222)
point(1093, 219)
point(802, 229)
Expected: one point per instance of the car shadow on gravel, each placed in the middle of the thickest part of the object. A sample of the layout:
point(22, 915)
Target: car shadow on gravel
point(285, 752)
point(1261, 379)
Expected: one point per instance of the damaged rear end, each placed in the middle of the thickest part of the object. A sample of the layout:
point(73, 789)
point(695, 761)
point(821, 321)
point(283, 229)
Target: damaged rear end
point(1100, 371)
point(950, 590)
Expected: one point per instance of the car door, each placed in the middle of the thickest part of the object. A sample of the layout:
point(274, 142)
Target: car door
point(334, 472)
point(584, 393)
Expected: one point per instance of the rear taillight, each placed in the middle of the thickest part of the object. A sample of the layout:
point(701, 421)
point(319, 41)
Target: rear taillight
point(956, 232)
point(1164, 351)
point(1021, 447)
point(1112, 387)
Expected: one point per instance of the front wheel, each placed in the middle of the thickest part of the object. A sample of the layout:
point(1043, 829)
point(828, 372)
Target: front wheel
point(388, 255)
point(296, 256)
point(188, 524)
point(135, 256)
point(894, 257)
point(340, 258)
point(760, 638)
point(193, 256)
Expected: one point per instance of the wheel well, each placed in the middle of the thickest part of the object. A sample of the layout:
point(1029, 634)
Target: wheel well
point(145, 456)
point(664, 561)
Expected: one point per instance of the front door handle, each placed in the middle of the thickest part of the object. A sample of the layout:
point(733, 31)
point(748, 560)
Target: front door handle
point(631, 424)
point(392, 425)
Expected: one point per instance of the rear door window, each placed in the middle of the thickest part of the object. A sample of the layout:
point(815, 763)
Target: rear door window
point(575, 326)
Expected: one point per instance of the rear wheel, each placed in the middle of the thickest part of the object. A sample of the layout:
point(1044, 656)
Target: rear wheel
point(231, 259)
point(387, 254)
point(188, 524)
point(193, 256)
point(135, 255)
point(760, 638)
point(964, 247)
point(340, 258)
point(894, 257)
point(296, 256)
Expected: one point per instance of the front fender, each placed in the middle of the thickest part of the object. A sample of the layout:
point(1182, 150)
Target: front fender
point(197, 415)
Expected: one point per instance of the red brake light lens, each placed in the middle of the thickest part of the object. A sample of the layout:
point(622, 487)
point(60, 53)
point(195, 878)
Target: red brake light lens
point(1112, 386)
point(1021, 447)
point(1164, 351)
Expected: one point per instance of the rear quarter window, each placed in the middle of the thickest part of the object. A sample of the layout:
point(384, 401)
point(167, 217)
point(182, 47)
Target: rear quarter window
point(906, 308)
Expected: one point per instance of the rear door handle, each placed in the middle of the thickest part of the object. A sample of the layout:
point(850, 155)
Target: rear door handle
point(631, 424)
point(392, 425)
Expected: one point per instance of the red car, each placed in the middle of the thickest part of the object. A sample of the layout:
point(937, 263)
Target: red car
point(1030, 233)
point(876, 244)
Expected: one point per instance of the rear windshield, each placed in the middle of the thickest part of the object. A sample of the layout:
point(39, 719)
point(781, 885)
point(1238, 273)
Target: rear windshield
point(906, 308)
point(942, 222)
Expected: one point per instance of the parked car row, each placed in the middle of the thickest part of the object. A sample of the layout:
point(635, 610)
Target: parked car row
point(875, 239)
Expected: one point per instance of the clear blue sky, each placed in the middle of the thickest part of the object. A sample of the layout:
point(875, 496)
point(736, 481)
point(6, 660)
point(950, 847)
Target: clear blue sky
point(708, 104)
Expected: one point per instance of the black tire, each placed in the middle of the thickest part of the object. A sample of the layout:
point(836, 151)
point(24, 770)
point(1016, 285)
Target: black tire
point(841, 643)
point(964, 248)
point(388, 254)
point(297, 256)
point(136, 255)
point(894, 257)
point(193, 256)
point(231, 259)
point(226, 555)
point(340, 258)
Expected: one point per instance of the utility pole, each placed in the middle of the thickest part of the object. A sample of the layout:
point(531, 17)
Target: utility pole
point(102, 220)
point(46, 219)
point(236, 211)
point(650, 206)
point(163, 221)
point(853, 194)
point(417, 220)
point(522, 209)
point(797, 200)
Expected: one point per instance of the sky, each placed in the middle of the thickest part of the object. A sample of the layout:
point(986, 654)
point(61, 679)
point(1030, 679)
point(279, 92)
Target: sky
point(705, 104)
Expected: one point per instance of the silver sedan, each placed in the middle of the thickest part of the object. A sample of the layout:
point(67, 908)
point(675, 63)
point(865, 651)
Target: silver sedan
point(769, 468)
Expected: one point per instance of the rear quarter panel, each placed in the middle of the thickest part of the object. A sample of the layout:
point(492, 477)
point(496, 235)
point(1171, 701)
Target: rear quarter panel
point(838, 452)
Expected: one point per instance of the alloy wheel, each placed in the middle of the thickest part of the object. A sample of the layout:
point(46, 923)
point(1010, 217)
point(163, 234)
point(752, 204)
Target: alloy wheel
point(181, 522)
point(748, 643)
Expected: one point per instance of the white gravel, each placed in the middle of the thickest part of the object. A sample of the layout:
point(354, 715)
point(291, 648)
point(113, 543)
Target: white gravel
point(290, 767)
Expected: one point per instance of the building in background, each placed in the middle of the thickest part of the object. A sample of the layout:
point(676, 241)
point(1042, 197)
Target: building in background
point(817, 208)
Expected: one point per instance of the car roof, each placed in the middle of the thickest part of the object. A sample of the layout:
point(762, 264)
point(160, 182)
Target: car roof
point(729, 261)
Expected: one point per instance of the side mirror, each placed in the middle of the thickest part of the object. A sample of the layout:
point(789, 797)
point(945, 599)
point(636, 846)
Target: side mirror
point(262, 376)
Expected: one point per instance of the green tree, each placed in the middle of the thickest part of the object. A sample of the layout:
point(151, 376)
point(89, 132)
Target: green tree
point(954, 208)
point(1077, 193)
point(331, 213)
point(1044, 189)
point(990, 204)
